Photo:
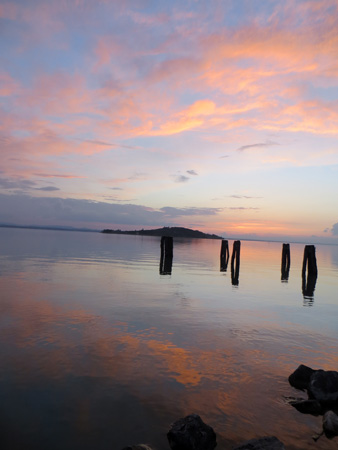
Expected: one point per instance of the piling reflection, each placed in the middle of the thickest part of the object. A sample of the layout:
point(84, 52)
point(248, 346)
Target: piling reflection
point(166, 260)
point(285, 269)
point(235, 261)
point(308, 288)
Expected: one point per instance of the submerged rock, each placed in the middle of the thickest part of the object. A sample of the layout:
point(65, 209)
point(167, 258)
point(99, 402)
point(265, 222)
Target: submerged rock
point(300, 378)
point(330, 424)
point(264, 443)
point(323, 386)
point(191, 433)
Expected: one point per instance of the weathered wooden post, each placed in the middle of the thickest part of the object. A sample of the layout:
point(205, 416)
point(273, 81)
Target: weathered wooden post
point(309, 271)
point(285, 262)
point(224, 255)
point(235, 259)
point(166, 260)
point(309, 260)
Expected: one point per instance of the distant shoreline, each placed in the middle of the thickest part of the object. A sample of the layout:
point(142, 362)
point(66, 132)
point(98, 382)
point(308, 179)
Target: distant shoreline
point(51, 228)
point(167, 231)
point(145, 233)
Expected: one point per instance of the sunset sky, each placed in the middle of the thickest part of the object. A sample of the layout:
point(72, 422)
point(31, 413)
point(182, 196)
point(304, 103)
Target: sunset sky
point(214, 115)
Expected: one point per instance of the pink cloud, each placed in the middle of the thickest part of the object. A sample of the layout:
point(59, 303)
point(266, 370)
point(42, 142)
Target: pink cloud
point(8, 85)
point(172, 70)
point(55, 175)
point(8, 10)
point(58, 93)
point(277, 61)
point(106, 49)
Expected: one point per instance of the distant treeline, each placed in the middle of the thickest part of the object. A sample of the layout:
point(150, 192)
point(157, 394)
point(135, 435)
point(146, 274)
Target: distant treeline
point(167, 231)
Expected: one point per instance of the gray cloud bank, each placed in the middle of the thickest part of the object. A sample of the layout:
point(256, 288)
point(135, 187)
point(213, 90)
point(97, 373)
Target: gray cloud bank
point(26, 210)
point(22, 185)
point(334, 229)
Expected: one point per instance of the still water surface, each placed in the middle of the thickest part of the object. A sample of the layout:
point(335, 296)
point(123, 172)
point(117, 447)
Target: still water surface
point(99, 351)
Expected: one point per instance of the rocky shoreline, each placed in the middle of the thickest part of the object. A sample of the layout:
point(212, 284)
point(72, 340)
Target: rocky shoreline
point(191, 433)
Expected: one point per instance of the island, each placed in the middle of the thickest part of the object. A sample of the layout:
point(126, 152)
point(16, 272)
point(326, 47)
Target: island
point(167, 231)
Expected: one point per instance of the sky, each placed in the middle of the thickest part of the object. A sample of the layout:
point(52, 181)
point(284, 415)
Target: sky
point(214, 115)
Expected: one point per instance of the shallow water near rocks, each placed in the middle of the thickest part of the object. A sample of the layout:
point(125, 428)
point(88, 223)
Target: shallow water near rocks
point(98, 350)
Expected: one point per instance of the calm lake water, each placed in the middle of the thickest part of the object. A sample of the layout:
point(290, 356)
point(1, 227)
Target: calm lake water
point(99, 351)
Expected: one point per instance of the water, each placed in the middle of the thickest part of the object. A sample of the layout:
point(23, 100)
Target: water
point(100, 351)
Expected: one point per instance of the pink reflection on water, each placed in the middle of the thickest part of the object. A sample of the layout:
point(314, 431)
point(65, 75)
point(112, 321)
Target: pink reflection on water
point(110, 357)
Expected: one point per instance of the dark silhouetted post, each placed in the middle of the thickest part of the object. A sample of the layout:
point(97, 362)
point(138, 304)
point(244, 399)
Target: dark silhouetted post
point(166, 261)
point(224, 255)
point(285, 262)
point(309, 271)
point(309, 260)
point(235, 258)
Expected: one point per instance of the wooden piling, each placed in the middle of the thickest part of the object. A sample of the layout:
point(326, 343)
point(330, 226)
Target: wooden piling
point(166, 259)
point(235, 261)
point(309, 271)
point(309, 260)
point(285, 269)
point(224, 257)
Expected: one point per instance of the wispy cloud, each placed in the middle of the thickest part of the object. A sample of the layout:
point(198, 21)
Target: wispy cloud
point(181, 179)
point(242, 208)
point(109, 144)
point(176, 212)
point(243, 196)
point(57, 175)
point(113, 199)
point(258, 145)
point(138, 176)
point(24, 185)
point(47, 188)
point(16, 184)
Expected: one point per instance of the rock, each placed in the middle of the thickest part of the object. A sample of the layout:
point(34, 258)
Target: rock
point(307, 406)
point(138, 447)
point(264, 443)
point(323, 386)
point(191, 433)
point(330, 424)
point(300, 378)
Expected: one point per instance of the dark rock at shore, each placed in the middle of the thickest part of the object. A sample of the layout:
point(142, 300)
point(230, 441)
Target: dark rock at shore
point(323, 386)
point(330, 424)
point(191, 433)
point(300, 378)
point(307, 406)
point(264, 443)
